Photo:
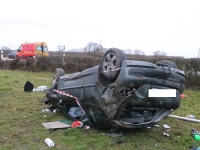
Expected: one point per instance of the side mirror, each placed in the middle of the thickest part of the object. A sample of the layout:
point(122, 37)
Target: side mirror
point(18, 50)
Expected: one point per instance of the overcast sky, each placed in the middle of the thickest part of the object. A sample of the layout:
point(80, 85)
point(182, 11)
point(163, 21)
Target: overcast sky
point(172, 26)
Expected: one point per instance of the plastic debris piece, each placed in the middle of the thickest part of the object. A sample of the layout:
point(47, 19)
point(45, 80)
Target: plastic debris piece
point(190, 116)
point(47, 110)
point(196, 134)
point(157, 125)
point(49, 142)
point(183, 96)
point(86, 127)
point(166, 126)
point(40, 89)
point(76, 124)
point(166, 134)
point(54, 111)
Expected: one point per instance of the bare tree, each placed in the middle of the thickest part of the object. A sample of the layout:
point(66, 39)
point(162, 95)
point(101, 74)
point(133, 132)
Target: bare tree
point(138, 52)
point(159, 53)
point(93, 47)
point(5, 48)
point(128, 51)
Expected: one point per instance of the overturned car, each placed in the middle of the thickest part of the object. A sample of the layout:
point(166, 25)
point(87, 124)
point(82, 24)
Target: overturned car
point(116, 93)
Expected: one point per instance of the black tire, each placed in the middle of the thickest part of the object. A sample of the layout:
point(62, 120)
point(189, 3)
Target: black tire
point(112, 60)
point(171, 64)
point(59, 72)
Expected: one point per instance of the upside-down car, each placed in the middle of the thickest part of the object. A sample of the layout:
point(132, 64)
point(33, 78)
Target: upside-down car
point(116, 93)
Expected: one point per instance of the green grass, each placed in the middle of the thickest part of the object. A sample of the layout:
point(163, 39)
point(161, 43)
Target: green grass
point(21, 117)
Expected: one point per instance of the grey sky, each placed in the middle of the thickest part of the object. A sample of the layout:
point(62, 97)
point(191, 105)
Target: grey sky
point(172, 26)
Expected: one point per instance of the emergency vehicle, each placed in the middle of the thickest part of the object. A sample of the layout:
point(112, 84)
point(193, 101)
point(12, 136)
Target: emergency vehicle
point(32, 50)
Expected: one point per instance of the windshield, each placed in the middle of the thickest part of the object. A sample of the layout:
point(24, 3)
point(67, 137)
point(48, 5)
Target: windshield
point(20, 48)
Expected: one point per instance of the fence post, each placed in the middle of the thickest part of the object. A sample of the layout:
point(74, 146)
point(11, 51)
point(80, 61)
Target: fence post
point(63, 59)
point(1, 55)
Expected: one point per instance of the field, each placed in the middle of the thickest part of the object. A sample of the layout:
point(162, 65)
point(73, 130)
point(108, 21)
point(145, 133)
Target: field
point(21, 117)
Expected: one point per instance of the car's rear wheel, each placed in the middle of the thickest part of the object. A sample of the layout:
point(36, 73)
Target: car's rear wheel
point(111, 63)
point(59, 72)
point(171, 64)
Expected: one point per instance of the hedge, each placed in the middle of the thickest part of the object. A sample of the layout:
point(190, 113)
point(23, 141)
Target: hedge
point(73, 63)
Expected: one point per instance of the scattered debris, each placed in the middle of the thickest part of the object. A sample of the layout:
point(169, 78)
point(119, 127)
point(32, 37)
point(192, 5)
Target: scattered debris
point(183, 96)
point(54, 111)
point(196, 134)
point(184, 118)
point(24, 116)
point(45, 116)
point(166, 126)
point(49, 142)
point(157, 125)
point(28, 87)
point(190, 116)
point(49, 110)
point(76, 124)
point(55, 125)
point(86, 127)
point(40, 89)
point(166, 134)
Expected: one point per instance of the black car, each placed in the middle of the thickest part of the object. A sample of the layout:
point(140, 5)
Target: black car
point(115, 93)
point(12, 54)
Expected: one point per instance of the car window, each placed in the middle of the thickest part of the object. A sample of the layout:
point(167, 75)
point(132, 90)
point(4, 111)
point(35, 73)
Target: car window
point(39, 48)
point(45, 49)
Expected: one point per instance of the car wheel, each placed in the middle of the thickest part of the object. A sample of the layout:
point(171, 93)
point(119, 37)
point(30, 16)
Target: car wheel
point(111, 63)
point(171, 64)
point(59, 72)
